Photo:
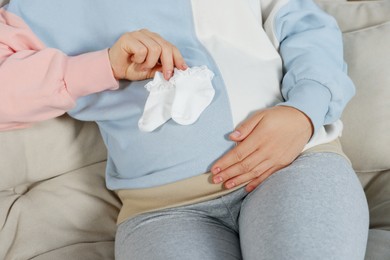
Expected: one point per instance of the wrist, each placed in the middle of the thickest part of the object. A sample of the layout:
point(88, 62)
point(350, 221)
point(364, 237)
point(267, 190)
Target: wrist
point(111, 59)
point(303, 118)
point(89, 73)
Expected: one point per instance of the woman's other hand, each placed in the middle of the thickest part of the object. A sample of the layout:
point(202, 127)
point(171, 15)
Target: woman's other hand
point(138, 55)
point(268, 141)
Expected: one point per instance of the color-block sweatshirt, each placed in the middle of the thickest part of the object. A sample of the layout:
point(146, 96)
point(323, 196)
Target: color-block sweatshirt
point(53, 60)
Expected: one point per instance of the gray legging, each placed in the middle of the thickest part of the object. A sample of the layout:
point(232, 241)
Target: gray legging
point(313, 209)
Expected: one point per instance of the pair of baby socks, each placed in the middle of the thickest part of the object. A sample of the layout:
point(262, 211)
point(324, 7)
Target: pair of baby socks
point(183, 98)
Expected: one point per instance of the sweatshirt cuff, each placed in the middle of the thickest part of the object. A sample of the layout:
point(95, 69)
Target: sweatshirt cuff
point(312, 98)
point(89, 73)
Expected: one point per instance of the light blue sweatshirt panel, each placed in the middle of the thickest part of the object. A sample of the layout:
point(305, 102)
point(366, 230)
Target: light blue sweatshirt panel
point(311, 46)
point(136, 159)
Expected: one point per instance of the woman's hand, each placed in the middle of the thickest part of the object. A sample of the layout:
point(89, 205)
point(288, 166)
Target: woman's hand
point(138, 55)
point(268, 141)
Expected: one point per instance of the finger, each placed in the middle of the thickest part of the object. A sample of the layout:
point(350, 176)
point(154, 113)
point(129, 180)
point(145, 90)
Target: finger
point(153, 50)
point(245, 166)
point(249, 176)
point(167, 61)
point(234, 156)
point(238, 153)
point(243, 130)
point(153, 71)
point(166, 56)
point(178, 59)
point(135, 49)
point(170, 56)
point(257, 181)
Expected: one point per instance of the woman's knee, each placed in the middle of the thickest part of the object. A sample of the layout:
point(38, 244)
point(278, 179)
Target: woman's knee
point(315, 206)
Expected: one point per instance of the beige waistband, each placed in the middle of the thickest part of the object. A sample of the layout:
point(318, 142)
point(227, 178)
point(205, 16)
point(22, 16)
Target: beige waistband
point(189, 191)
point(331, 147)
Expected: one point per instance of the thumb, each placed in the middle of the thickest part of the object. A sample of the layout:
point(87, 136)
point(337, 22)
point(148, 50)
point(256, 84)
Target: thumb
point(152, 72)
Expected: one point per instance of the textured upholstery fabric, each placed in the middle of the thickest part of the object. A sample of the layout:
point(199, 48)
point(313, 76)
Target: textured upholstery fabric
point(366, 138)
point(47, 150)
point(53, 200)
point(366, 27)
point(367, 117)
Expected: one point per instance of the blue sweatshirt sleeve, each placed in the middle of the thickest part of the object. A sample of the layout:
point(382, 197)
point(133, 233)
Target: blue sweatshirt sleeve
point(315, 75)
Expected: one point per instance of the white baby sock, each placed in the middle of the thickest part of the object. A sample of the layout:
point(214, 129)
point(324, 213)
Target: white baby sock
point(194, 92)
point(158, 105)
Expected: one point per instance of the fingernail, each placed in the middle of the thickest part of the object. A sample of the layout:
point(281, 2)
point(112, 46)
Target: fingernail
point(250, 188)
point(217, 179)
point(236, 134)
point(184, 66)
point(215, 170)
point(230, 185)
point(168, 74)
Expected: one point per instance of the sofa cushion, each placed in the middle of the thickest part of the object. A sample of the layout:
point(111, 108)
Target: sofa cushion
point(3, 2)
point(378, 196)
point(48, 149)
point(366, 138)
point(378, 245)
point(71, 216)
point(355, 15)
point(53, 199)
point(366, 119)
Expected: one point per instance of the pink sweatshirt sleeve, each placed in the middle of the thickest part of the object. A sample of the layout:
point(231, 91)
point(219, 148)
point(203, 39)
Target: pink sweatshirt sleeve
point(39, 83)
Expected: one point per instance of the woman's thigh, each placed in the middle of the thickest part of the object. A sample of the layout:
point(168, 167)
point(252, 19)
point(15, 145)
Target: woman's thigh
point(181, 233)
point(313, 209)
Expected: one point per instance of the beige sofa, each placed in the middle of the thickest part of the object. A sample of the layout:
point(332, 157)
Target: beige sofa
point(53, 201)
